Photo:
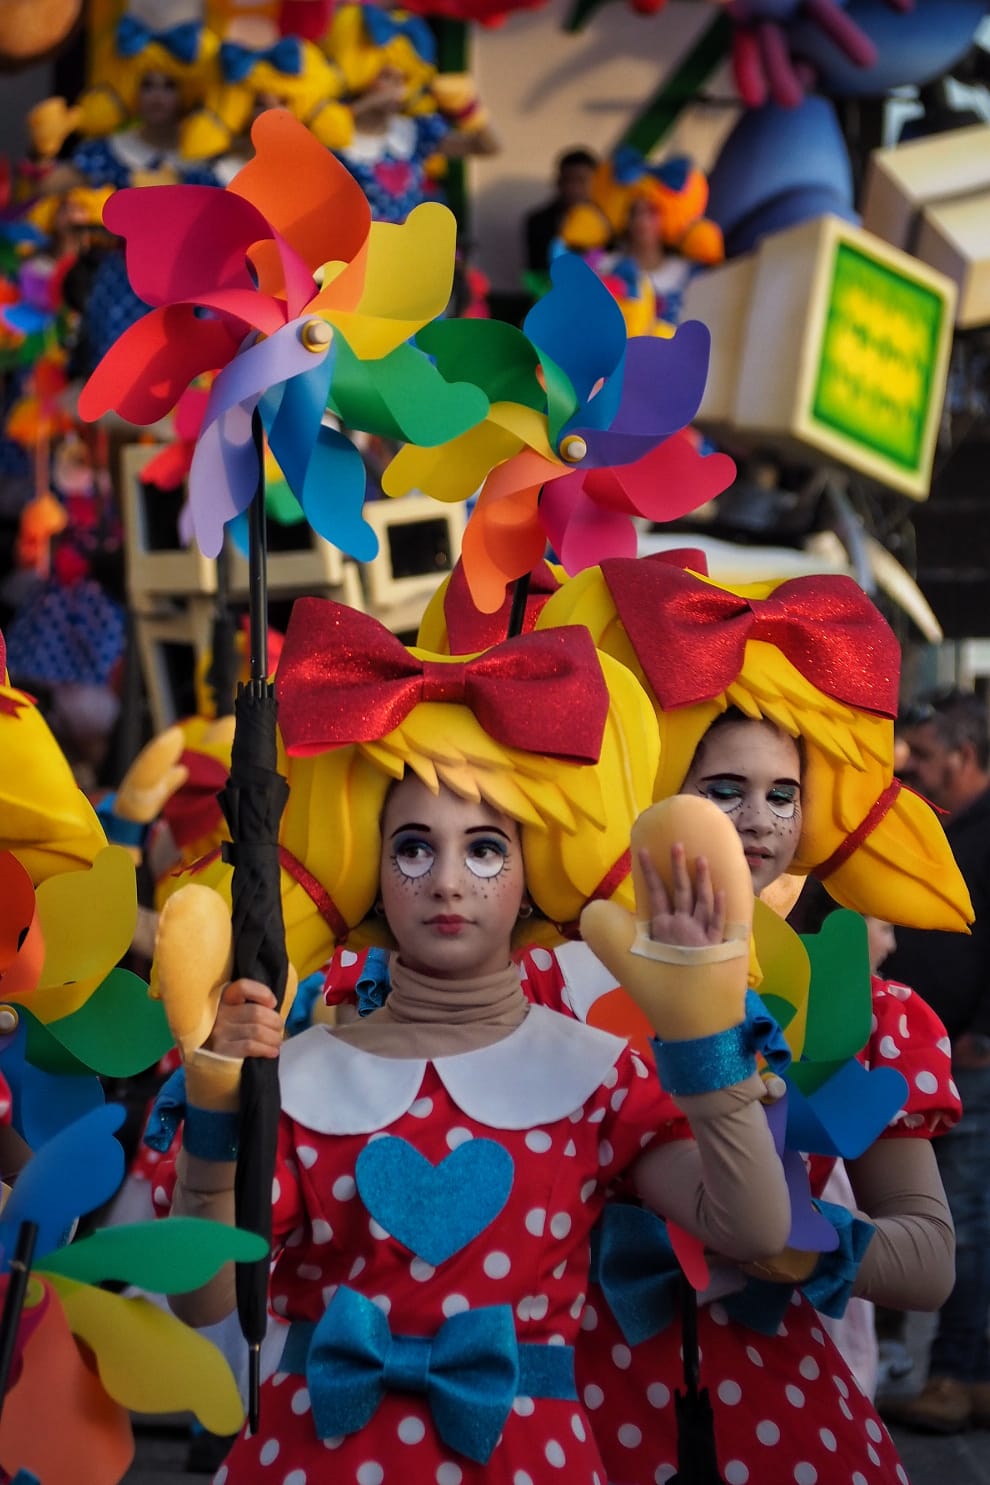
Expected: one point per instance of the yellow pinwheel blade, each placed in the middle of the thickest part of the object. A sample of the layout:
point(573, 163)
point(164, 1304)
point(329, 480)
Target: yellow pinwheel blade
point(451, 471)
point(87, 921)
point(408, 281)
point(148, 1360)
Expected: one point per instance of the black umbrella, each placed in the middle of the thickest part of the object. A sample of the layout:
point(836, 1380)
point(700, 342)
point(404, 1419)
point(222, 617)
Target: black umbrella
point(697, 1462)
point(252, 802)
point(17, 1282)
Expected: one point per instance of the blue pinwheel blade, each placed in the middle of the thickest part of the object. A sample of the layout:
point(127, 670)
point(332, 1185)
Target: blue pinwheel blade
point(73, 1174)
point(333, 496)
point(579, 326)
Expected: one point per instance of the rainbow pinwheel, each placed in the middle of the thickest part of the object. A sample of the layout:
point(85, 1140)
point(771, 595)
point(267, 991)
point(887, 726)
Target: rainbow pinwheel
point(570, 397)
point(86, 1357)
point(258, 281)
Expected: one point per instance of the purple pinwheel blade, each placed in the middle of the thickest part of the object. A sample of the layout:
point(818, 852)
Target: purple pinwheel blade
point(663, 387)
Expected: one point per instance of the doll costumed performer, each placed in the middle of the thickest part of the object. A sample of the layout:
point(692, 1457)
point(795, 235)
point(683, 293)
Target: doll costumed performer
point(777, 703)
point(435, 1187)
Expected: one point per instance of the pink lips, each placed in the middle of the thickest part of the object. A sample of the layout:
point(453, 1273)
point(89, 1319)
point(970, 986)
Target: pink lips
point(449, 926)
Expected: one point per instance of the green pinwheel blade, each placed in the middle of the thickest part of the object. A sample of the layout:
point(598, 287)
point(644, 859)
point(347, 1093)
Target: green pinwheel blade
point(403, 396)
point(810, 1076)
point(118, 1031)
point(562, 401)
point(169, 1256)
point(839, 1005)
point(496, 357)
point(281, 505)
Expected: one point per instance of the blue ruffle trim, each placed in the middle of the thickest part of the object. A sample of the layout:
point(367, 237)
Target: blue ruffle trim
point(167, 1113)
point(706, 1063)
point(375, 984)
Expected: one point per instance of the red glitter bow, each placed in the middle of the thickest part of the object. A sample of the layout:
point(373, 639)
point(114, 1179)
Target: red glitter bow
point(690, 637)
point(194, 811)
point(344, 678)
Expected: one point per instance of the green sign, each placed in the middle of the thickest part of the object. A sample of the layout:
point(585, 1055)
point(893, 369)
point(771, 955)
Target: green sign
point(878, 356)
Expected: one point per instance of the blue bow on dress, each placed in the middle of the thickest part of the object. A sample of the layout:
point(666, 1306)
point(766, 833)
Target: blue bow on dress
point(181, 42)
point(236, 61)
point(470, 1371)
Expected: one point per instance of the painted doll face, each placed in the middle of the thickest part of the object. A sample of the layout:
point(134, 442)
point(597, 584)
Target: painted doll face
point(452, 881)
point(752, 771)
point(158, 99)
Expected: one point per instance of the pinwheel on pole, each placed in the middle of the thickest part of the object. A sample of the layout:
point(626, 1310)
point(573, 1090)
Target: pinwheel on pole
point(272, 288)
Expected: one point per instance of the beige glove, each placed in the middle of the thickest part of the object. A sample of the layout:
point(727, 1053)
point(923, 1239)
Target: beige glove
point(194, 958)
point(684, 992)
point(154, 776)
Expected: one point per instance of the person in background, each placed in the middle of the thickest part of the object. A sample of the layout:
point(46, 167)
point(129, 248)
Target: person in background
point(949, 762)
point(575, 174)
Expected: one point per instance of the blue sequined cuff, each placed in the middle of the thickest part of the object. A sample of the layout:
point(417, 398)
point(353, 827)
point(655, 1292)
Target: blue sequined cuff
point(706, 1063)
point(118, 831)
point(830, 1286)
point(210, 1135)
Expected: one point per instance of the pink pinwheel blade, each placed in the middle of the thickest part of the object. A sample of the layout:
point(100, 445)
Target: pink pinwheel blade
point(145, 372)
point(581, 532)
point(186, 242)
point(671, 480)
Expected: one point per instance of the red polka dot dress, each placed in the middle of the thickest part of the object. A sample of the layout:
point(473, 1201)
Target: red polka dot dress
point(351, 1210)
point(787, 1408)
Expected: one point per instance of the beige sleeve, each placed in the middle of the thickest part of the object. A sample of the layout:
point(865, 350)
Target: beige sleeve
point(726, 1186)
point(205, 1188)
point(910, 1263)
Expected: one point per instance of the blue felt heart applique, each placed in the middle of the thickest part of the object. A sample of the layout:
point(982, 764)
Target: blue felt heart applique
point(434, 1210)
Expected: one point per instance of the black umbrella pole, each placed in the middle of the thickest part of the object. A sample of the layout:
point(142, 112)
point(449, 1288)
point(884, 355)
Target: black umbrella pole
point(258, 568)
point(517, 613)
point(17, 1282)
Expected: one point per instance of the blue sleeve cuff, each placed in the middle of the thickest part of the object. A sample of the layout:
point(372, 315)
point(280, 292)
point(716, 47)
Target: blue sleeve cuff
point(707, 1063)
point(210, 1135)
point(118, 831)
point(830, 1286)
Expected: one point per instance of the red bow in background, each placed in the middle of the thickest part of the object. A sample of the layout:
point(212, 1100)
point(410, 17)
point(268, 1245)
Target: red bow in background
point(690, 637)
point(344, 678)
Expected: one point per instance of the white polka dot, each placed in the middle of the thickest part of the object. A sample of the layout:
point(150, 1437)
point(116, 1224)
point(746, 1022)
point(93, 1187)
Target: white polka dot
point(809, 1368)
point(944, 1045)
point(828, 1439)
point(560, 1270)
point(268, 1452)
point(754, 1356)
point(840, 1386)
point(902, 1475)
point(736, 1472)
point(420, 1270)
point(344, 1188)
point(370, 1473)
point(449, 1474)
point(629, 1436)
point(622, 1357)
point(411, 1430)
point(307, 1156)
point(805, 1473)
point(872, 1455)
point(533, 1307)
point(300, 1401)
point(781, 1329)
point(536, 1221)
point(522, 1478)
point(576, 1308)
point(310, 1271)
point(454, 1304)
point(593, 1397)
point(577, 1428)
point(279, 1378)
point(220, 1478)
point(902, 1028)
point(818, 1335)
point(524, 1406)
point(497, 1265)
point(347, 958)
point(611, 1077)
point(794, 1396)
point(605, 1153)
point(618, 1098)
point(577, 1115)
point(298, 1477)
point(555, 1454)
point(953, 1089)
point(161, 1197)
point(858, 1479)
point(845, 1409)
point(383, 1302)
point(458, 1136)
point(570, 1149)
point(588, 1190)
point(597, 1116)
point(589, 1318)
point(538, 1141)
point(356, 1267)
point(874, 1430)
point(280, 1304)
point(663, 1473)
point(377, 1230)
point(730, 1393)
point(888, 1048)
point(329, 1290)
point(560, 1224)
point(276, 1190)
point(719, 1314)
point(422, 1108)
point(658, 1395)
point(322, 1232)
point(926, 1082)
point(541, 958)
point(767, 1432)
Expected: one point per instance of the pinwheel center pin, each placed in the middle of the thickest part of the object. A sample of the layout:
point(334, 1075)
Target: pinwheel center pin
point(9, 1020)
point(572, 448)
point(316, 335)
